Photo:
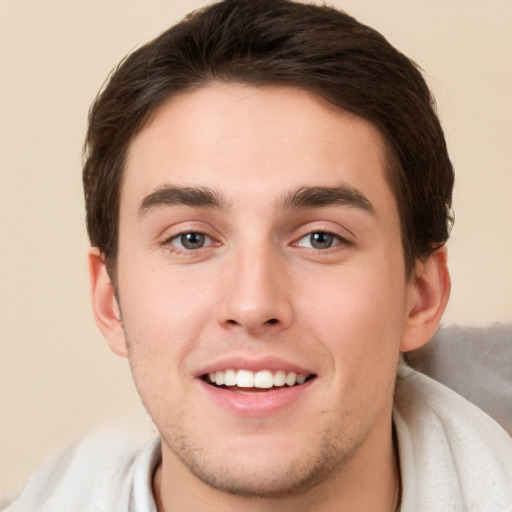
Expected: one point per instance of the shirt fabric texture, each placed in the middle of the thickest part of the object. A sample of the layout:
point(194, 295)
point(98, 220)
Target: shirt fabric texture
point(453, 458)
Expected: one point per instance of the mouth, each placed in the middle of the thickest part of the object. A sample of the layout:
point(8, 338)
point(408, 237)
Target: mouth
point(241, 380)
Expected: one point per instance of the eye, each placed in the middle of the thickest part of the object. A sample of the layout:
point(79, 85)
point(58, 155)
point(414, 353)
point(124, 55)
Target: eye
point(191, 241)
point(319, 240)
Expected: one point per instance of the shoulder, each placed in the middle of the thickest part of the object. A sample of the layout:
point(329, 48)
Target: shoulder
point(453, 456)
point(96, 473)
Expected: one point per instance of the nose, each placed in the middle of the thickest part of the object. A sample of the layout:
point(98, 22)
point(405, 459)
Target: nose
point(255, 293)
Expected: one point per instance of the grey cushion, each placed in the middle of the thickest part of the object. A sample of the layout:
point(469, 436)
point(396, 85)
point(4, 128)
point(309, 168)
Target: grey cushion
point(476, 362)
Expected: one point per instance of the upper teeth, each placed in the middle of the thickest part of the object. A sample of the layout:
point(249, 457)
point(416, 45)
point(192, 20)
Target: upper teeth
point(262, 379)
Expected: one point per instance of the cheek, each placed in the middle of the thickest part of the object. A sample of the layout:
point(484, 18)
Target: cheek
point(167, 302)
point(355, 299)
point(161, 322)
point(359, 315)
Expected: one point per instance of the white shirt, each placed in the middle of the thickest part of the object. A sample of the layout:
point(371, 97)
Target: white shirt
point(453, 458)
point(110, 470)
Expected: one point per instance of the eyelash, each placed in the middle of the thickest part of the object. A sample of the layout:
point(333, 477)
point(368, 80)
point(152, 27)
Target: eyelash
point(179, 236)
point(337, 241)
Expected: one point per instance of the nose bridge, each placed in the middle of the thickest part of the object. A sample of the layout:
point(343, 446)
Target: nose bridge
point(255, 296)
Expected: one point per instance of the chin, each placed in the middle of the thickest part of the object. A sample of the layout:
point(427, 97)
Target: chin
point(270, 474)
point(268, 482)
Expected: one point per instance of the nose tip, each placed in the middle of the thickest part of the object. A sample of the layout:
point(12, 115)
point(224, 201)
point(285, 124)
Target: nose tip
point(256, 297)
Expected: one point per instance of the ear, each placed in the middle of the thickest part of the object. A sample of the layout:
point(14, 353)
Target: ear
point(429, 290)
point(104, 304)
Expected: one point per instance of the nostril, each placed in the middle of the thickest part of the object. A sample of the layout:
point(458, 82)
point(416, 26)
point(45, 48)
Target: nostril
point(251, 324)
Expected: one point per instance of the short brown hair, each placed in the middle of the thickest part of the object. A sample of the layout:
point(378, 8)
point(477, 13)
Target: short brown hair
point(277, 42)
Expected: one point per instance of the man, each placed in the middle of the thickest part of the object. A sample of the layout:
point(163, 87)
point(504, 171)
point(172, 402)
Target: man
point(268, 196)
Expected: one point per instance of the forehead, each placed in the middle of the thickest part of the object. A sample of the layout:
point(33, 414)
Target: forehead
point(266, 140)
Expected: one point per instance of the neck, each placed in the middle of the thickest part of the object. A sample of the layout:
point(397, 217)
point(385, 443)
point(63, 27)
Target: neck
point(370, 480)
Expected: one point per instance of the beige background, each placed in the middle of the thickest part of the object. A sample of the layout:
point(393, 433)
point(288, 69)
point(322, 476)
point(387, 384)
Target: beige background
point(57, 377)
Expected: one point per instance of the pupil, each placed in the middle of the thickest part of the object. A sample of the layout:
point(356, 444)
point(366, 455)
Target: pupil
point(321, 240)
point(192, 240)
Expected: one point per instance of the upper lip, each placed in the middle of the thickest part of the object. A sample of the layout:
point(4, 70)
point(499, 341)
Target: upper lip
point(252, 364)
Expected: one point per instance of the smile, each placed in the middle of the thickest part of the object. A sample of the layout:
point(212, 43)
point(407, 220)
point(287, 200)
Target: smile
point(262, 379)
point(255, 389)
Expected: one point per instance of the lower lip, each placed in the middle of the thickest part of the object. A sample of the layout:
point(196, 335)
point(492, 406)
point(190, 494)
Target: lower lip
point(254, 403)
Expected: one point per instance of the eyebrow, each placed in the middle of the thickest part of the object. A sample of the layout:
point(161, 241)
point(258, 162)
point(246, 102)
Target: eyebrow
point(169, 195)
point(302, 198)
point(318, 197)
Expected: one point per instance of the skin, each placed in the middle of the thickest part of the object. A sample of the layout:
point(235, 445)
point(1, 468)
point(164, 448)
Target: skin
point(259, 287)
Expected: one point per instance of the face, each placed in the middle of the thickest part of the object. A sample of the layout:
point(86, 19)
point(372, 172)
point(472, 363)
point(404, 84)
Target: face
point(262, 286)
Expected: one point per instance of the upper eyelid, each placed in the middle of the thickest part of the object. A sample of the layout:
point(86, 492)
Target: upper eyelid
point(342, 232)
point(208, 240)
point(168, 239)
point(339, 231)
point(166, 243)
point(181, 228)
point(342, 239)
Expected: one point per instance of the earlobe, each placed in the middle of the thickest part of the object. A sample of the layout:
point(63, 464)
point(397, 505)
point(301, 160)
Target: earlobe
point(429, 293)
point(104, 304)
